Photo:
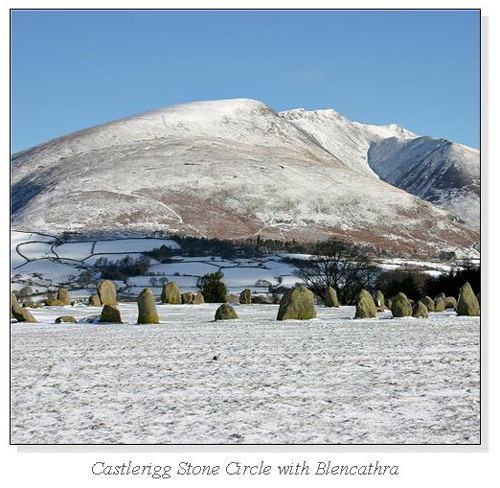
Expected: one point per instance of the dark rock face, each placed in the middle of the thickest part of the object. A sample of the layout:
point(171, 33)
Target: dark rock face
point(171, 293)
point(110, 314)
point(401, 306)
point(147, 308)
point(106, 290)
point(298, 304)
point(365, 306)
point(225, 312)
point(467, 302)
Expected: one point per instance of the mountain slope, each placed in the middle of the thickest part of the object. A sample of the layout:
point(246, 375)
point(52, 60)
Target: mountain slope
point(439, 171)
point(230, 168)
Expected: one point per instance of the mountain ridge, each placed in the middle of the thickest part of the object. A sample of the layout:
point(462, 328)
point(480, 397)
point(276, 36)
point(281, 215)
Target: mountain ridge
point(230, 169)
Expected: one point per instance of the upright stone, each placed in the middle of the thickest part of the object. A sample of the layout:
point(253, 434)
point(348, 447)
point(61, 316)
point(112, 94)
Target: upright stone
point(297, 303)
point(225, 312)
point(198, 298)
point(467, 302)
point(187, 297)
point(380, 301)
point(429, 303)
point(106, 290)
point(246, 297)
point(20, 314)
point(94, 301)
point(110, 314)
point(147, 308)
point(331, 299)
point(62, 295)
point(365, 306)
point(439, 295)
point(171, 293)
point(450, 302)
point(420, 311)
point(439, 305)
point(401, 306)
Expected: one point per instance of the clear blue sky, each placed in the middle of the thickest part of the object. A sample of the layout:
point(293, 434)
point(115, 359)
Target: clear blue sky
point(74, 69)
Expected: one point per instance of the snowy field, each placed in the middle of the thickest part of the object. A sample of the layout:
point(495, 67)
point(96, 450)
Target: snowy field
point(328, 380)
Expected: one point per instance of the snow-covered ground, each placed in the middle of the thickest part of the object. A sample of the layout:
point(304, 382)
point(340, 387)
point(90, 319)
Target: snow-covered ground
point(327, 380)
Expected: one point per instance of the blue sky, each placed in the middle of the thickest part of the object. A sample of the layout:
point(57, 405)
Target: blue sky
point(74, 69)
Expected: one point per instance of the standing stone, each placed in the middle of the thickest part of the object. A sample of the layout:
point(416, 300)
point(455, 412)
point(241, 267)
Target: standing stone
point(246, 297)
point(467, 302)
point(439, 305)
point(298, 304)
point(401, 306)
point(62, 295)
point(428, 302)
point(380, 301)
point(147, 308)
point(20, 314)
point(107, 292)
point(365, 306)
point(187, 297)
point(171, 293)
point(110, 314)
point(439, 295)
point(331, 299)
point(225, 312)
point(450, 302)
point(94, 301)
point(420, 311)
point(198, 298)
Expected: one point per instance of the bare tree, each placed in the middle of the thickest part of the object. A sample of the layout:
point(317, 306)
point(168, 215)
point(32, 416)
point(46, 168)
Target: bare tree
point(341, 265)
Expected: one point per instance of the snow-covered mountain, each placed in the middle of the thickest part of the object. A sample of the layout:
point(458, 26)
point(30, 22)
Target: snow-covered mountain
point(230, 169)
point(439, 171)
